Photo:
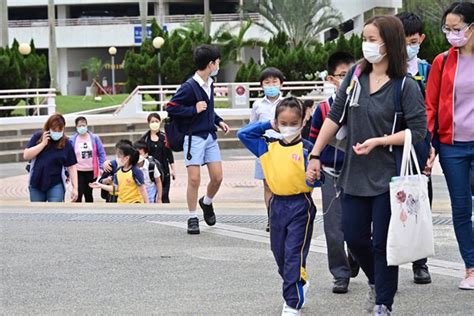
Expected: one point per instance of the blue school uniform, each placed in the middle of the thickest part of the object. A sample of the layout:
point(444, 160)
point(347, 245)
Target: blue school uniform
point(291, 207)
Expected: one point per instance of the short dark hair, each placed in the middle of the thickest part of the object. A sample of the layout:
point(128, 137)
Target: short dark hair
point(153, 115)
point(141, 144)
point(80, 118)
point(412, 23)
point(307, 104)
point(393, 35)
point(292, 103)
point(205, 54)
point(463, 9)
point(270, 72)
point(123, 142)
point(339, 58)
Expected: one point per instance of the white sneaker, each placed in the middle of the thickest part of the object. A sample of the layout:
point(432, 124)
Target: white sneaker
point(370, 299)
point(468, 282)
point(305, 291)
point(289, 311)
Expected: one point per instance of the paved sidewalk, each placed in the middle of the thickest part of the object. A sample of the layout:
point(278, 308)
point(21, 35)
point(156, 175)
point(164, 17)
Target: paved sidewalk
point(239, 184)
point(74, 259)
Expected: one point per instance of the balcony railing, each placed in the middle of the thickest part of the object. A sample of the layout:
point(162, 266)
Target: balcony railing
point(231, 17)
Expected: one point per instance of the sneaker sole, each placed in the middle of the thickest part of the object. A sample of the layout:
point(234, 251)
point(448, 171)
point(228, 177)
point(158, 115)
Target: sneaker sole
point(206, 218)
point(422, 281)
point(191, 232)
point(340, 291)
point(466, 288)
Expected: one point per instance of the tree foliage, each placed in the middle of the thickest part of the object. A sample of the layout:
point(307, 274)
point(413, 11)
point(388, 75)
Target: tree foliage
point(20, 72)
point(302, 20)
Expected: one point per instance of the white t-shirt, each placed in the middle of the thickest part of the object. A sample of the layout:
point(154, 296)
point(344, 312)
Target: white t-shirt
point(263, 110)
point(146, 173)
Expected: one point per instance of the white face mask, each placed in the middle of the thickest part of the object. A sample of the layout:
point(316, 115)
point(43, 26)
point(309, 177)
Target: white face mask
point(371, 52)
point(289, 133)
point(141, 159)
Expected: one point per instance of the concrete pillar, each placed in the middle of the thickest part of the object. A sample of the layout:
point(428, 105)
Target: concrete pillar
point(359, 24)
point(4, 42)
point(62, 71)
point(62, 12)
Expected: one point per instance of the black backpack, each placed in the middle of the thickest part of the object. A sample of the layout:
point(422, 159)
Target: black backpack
point(174, 137)
point(152, 162)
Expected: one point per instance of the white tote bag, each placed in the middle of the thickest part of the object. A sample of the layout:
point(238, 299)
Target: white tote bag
point(410, 233)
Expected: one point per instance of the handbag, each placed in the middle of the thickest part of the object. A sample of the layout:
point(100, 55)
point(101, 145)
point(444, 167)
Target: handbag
point(410, 232)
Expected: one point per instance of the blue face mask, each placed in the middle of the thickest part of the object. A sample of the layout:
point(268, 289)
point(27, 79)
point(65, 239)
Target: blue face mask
point(214, 72)
point(81, 129)
point(271, 91)
point(413, 51)
point(56, 135)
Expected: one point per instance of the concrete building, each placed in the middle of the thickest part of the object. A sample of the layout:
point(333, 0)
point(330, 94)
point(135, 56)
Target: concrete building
point(87, 28)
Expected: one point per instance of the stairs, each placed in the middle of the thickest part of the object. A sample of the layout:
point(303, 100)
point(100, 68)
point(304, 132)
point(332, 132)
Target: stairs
point(13, 140)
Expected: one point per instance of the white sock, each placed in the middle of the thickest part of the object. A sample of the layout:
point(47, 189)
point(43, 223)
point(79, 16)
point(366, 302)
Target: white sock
point(207, 200)
point(193, 214)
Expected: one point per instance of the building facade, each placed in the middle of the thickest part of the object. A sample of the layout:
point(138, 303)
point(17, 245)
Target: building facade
point(87, 28)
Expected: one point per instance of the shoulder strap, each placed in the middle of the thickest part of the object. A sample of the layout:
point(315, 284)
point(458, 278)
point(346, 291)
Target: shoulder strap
point(324, 109)
point(151, 170)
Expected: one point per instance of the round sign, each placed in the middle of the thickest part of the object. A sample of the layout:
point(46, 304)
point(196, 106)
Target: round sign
point(240, 90)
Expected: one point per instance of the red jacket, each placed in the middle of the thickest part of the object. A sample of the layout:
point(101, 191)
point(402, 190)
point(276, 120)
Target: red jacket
point(440, 96)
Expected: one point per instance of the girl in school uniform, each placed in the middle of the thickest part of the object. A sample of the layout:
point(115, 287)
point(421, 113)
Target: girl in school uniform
point(128, 182)
point(292, 210)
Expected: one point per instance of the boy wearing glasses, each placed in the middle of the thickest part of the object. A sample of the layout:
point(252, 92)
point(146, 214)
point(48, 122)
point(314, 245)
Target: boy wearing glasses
point(341, 265)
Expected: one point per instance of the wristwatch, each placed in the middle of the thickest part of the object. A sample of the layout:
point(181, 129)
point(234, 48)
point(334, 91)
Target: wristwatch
point(313, 157)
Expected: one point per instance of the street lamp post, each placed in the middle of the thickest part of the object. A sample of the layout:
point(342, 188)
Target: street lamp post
point(25, 49)
point(157, 43)
point(112, 52)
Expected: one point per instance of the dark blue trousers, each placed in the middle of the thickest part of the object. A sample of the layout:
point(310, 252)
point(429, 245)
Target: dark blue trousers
point(365, 223)
point(291, 229)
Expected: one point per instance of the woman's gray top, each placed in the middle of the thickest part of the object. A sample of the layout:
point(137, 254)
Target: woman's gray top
point(369, 175)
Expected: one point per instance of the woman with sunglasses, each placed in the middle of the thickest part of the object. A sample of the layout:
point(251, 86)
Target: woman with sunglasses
point(450, 110)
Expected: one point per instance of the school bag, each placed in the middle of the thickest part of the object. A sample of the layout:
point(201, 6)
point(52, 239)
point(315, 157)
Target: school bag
point(174, 136)
point(152, 162)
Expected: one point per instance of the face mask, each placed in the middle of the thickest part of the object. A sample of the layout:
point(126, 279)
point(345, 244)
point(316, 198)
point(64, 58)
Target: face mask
point(141, 159)
point(289, 133)
point(458, 40)
point(155, 126)
point(81, 129)
point(214, 72)
point(371, 52)
point(56, 135)
point(119, 161)
point(271, 91)
point(413, 51)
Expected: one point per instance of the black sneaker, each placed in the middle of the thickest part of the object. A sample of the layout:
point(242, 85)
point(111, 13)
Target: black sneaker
point(421, 275)
point(208, 210)
point(340, 286)
point(193, 226)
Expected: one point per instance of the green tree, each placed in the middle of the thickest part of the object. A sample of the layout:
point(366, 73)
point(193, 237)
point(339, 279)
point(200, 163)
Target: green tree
point(94, 66)
point(20, 72)
point(302, 20)
point(231, 46)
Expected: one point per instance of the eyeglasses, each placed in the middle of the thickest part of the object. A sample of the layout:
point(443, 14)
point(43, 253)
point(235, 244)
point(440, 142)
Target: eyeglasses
point(454, 31)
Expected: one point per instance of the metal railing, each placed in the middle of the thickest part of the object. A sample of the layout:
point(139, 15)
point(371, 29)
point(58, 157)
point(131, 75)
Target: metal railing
point(160, 95)
point(44, 101)
point(107, 20)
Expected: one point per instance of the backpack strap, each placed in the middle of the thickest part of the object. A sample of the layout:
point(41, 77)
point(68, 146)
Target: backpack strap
point(398, 118)
point(197, 95)
point(324, 105)
point(151, 170)
point(351, 91)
